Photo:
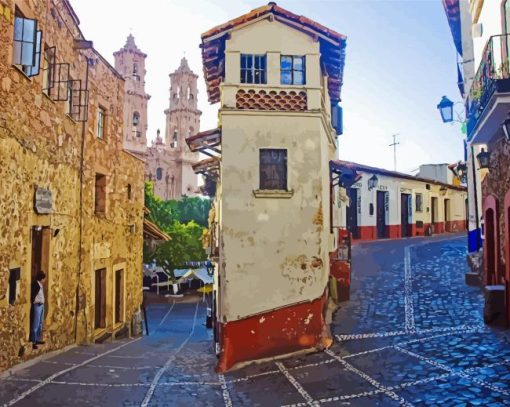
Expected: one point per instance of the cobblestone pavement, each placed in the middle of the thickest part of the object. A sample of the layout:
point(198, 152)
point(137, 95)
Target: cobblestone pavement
point(412, 334)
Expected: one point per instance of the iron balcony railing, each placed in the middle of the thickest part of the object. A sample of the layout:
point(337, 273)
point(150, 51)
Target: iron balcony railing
point(491, 77)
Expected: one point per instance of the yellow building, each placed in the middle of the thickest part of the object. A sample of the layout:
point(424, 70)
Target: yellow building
point(71, 199)
point(276, 76)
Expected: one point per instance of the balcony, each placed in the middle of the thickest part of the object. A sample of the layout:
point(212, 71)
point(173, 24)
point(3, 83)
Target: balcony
point(488, 102)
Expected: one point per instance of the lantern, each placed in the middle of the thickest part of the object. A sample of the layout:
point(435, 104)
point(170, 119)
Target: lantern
point(484, 158)
point(372, 182)
point(506, 128)
point(445, 107)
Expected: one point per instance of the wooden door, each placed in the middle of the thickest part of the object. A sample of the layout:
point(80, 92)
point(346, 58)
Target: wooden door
point(352, 213)
point(433, 208)
point(381, 215)
point(447, 224)
point(119, 296)
point(405, 215)
point(100, 301)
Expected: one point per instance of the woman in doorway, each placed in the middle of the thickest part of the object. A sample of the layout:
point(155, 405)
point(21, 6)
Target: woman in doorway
point(37, 310)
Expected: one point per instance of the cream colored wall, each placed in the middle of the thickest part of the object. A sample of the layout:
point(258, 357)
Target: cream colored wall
point(397, 186)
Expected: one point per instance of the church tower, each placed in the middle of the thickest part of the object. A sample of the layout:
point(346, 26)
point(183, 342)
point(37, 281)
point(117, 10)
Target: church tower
point(183, 121)
point(130, 63)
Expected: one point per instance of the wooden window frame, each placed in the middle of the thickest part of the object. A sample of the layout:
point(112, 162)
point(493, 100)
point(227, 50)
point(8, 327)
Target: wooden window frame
point(267, 183)
point(30, 65)
point(419, 208)
point(250, 73)
point(293, 70)
point(101, 123)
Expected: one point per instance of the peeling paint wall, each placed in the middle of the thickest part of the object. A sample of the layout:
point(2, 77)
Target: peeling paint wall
point(40, 146)
point(273, 250)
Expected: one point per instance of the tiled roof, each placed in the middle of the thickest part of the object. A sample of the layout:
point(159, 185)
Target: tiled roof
point(381, 171)
point(332, 47)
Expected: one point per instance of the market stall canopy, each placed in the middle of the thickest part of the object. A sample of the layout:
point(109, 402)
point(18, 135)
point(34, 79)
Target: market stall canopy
point(200, 274)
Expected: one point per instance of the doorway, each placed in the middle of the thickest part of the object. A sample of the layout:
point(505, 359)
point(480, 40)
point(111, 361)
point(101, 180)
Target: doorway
point(433, 216)
point(382, 229)
point(405, 215)
point(447, 223)
point(490, 247)
point(41, 237)
point(119, 296)
point(100, 299)
point(352, 213)
point(466, 218)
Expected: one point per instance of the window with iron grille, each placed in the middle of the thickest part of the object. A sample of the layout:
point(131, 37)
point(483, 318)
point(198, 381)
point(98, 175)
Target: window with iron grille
point(101, 120)
point(27, 45)
point(419, 203)
point(292, 70)
point(253, 68)
point(273, 169)
point(48, 69)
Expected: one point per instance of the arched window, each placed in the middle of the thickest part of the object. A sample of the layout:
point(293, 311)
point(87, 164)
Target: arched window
point(174, 140)
point(159, 173)
point(136, 119)
point(135, 72)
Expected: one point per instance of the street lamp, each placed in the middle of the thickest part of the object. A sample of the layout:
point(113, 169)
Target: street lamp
point(372, 182)
point(484, 159)
point(445, 107)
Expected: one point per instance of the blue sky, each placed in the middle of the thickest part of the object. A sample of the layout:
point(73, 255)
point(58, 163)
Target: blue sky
point(400, 61)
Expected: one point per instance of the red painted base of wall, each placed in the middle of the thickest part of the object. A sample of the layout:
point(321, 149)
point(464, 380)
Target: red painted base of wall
point(395, 231)
point(272, 333)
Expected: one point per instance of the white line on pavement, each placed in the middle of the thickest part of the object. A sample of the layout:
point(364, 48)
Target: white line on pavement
point(408, 291)
point(297, 385)
point(60, 373)
point(155, 381)
point(225, 392)
point(167, 314)
point(348, 337)
point(454, 371)
point(369, 379)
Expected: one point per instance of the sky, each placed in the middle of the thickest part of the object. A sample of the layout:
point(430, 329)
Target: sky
point(400, 60)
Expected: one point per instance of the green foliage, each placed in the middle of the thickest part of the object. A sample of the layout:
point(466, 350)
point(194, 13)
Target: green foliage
point(184, 221)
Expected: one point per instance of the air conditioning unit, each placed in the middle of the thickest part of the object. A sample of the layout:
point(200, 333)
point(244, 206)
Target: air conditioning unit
point(477, 30)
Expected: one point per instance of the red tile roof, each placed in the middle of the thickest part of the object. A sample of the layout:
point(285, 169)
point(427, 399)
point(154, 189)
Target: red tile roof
point(332, 47)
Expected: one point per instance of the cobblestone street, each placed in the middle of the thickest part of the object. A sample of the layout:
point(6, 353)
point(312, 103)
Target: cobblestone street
point(412, 334)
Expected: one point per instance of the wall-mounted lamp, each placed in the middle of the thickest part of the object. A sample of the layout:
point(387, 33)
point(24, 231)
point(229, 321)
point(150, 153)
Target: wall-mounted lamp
point(372, 182)
point(484, 159)
point(445, 107)
point(506, 128)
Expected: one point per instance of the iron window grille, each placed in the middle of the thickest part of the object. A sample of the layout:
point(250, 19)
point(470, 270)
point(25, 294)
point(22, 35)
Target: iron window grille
point(273, 169)
point(419, 203)
point(48, 68)
point(101, 116)
point(292, 70)
point(253, 69)
point(78, 101)
point(27, 45)
point(58, 85)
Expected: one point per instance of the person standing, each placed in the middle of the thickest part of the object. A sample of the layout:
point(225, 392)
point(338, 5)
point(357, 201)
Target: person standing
point(37, 310)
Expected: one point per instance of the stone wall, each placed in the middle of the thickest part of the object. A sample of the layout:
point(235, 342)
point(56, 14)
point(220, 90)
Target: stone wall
point(41, 147)
point(497, 183)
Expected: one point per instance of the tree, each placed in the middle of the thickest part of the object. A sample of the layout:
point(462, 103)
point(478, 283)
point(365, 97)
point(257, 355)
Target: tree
point(180, 220)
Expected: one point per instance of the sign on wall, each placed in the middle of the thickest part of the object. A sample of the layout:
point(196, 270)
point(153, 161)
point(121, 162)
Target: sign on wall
point(43, 201)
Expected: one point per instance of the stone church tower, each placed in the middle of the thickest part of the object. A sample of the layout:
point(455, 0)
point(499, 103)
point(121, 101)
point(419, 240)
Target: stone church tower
point(130, 63)
point(169, 162)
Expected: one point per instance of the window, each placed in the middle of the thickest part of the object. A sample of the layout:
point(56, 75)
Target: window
point(101, 114)
point(253, 68)
point(14, 276)
point(100, 194)
point(174, 141)
point(129, 192)
point(135, 72)
point(292, 70)
point(136, 119)
point(273, 169)
point(27, 45)
point(159, 173)
point(48, 66)
point(419, 203)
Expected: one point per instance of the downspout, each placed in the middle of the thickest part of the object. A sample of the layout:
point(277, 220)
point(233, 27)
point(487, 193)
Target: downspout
point(80, 262)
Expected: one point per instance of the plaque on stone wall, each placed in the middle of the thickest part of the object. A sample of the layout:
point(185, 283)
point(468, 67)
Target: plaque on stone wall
point(43, 201)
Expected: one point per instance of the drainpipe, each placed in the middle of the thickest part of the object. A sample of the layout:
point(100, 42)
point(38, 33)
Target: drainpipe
point(80, 263)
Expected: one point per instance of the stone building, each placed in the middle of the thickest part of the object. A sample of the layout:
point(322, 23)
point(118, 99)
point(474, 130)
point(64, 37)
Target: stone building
point(170, 161)
point(277, 77)
point(130, 63)
point(71, 198)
